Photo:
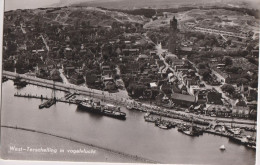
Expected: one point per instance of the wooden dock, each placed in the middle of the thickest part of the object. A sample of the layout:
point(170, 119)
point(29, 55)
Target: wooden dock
point(41, 97)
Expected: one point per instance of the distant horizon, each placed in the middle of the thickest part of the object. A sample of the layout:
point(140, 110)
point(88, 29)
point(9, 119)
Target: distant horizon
point(33, 4)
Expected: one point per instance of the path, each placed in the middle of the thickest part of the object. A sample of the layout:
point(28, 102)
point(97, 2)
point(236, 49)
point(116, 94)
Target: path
point(44, 41)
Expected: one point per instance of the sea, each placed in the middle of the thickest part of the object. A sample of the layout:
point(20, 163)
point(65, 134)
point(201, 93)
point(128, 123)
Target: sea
point(99, 136)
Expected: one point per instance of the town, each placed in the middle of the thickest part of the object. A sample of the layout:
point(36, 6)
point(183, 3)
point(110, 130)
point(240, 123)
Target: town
point(198, 62)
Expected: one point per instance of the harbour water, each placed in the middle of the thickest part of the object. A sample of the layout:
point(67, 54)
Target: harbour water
point(133, 136)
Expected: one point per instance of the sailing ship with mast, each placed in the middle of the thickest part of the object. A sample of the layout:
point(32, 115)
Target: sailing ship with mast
point(163, 124)
point(51, 101)
point(190, 130)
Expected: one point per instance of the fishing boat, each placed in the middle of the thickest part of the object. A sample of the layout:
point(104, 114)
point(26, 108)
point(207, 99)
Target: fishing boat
point(235, 131)
point(17, 80)
point(47, 104)
point(253, 146)
point(21, 84)
point(4, 79)
point(51, 101)
point(162, 126)
point(222, 147)
point(162, 123)
point(190, 130)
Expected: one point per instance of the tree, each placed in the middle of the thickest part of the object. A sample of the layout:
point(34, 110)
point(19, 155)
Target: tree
point(254, 83)
point(206, 75)
point(228, 42)
point(228, 88)
point(227, 60)
point(202, 66)
point(241, 81)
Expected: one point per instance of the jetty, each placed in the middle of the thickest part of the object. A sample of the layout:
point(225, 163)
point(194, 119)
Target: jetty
point(41, 97)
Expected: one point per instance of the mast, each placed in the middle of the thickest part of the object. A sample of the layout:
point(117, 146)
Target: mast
point(53, 92)
point(192, 124)
point(232, 122)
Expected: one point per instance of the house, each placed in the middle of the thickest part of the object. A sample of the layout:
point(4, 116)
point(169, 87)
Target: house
point(232, 78)
point(219, 110)
point(142, 57)
point(240, 111)
point(69, 70)
point(185, 50)
point(55, 75)
point(220, 76)
point(184, 100)
point(77, 78)
point(166, 88)
point(202, 97)
point(193, 89)
point(120, 84)
point(253, 114)
point(177, 62)
point(153, 85)
point(110, 85)
point(130, 51)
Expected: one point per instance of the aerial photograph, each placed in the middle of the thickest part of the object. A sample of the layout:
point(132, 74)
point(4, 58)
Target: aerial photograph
point(130, 81)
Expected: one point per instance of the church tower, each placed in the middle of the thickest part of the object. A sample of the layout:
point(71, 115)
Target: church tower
point(173, 36)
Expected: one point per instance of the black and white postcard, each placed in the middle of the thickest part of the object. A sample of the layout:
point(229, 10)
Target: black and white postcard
point(130, 81)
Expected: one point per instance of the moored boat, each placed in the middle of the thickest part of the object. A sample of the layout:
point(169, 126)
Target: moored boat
point(113, 111)
point(106, 110)
point(222, 147)
point(4, 79)
point(47, 104)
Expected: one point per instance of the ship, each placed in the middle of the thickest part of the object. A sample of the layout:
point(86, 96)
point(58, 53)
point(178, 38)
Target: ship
point(222, 148)
point(86, 104)
point(4, 79)
point(190, 130)
point(50, 102)
point(163, 124)
point(106, 110)
point(113, 111)
point(47, 104)
point(19, 82)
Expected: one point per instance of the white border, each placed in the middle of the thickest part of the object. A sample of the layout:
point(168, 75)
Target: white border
point(11, 162)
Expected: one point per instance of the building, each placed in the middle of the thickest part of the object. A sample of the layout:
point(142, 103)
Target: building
point(77, 79)
point(55, 75)
point(183, 100)
point(240, 111)
point(110, 85)
point(173, 36)
point(219, 75)
point(219, 110)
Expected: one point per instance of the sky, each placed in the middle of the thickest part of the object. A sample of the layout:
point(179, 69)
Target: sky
point(27, 4)
point(31, 4)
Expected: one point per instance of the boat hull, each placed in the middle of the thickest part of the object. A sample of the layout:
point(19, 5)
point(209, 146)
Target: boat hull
point(121, 116)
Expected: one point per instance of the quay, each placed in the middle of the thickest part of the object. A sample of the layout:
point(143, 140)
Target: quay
point(115, 99)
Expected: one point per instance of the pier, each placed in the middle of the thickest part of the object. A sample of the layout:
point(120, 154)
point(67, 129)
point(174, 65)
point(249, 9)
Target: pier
point(41, 97)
